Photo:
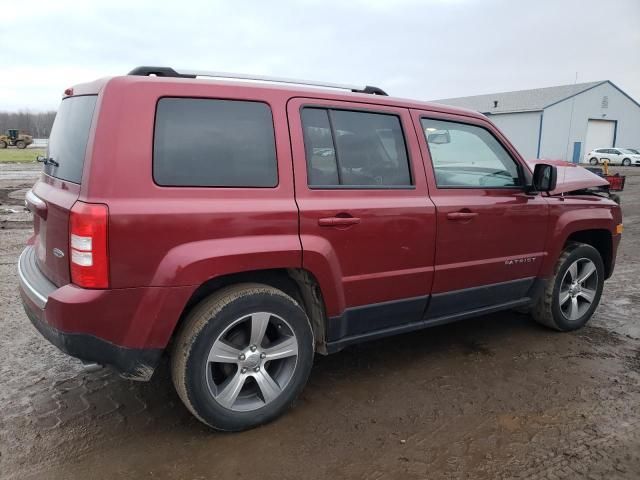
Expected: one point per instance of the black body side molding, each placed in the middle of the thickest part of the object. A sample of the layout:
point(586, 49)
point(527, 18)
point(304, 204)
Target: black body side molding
point(370, 322)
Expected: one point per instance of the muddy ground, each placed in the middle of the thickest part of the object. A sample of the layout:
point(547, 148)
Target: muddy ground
point(494, 397)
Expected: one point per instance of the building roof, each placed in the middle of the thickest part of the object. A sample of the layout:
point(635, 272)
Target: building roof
point(520, 101)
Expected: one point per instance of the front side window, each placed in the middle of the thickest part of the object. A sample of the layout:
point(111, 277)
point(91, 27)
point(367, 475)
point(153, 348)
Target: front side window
point(354, 149)
point(214, 143)
point(467, 156)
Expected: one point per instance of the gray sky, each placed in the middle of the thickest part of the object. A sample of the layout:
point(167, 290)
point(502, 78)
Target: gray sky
point(420, 49)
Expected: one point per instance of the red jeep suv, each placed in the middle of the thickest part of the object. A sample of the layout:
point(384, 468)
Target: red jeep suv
point(241, 227)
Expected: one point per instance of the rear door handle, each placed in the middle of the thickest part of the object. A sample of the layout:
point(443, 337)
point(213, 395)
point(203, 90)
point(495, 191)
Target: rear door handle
point(338, 221)
point(461, 216)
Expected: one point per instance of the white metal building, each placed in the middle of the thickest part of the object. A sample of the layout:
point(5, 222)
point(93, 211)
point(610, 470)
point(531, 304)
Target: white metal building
point(564, 122)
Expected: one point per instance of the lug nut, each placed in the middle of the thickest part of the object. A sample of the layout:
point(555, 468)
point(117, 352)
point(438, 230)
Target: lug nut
point(257, 369)
point(263, 355)
point(253, 348)
point(242, 357)
point(243, 370)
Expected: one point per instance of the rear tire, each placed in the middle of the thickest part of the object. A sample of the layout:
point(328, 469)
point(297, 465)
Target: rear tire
point(626, 162)
point(20, 144)
point(242, 356)
point(573, 293)
point(593, 161)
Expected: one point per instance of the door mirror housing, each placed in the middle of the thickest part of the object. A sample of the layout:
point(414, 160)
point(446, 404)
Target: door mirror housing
point(438, 137)
point(545, 177)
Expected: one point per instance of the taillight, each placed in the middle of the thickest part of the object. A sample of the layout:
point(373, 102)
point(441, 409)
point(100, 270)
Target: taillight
point(88, 245)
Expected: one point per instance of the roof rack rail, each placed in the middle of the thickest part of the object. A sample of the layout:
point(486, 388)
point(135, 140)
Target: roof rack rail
point(170, 72)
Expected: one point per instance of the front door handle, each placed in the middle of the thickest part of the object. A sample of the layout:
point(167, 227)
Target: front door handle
point(338, 221)
point(461, 216)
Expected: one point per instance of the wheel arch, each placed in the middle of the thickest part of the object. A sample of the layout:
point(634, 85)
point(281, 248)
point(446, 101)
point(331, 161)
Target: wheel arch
point(600, 239)
point(593, 224)
point(298, 283)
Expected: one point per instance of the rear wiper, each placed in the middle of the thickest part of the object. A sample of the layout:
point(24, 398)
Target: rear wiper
point(47, 161)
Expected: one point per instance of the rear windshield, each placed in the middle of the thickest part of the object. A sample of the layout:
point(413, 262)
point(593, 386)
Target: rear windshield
point(69, 136)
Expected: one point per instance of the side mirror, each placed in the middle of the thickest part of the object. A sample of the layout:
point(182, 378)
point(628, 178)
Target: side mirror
point(544, 178)
point(439, 137)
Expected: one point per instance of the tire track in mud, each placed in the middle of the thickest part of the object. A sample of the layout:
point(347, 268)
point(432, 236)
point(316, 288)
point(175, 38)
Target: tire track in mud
point(498, 398)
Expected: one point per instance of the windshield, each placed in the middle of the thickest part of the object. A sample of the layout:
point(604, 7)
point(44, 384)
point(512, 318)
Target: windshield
point(628, 151)
point(69, 136)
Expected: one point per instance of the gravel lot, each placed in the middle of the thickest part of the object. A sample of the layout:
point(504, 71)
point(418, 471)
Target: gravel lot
point(494, 397)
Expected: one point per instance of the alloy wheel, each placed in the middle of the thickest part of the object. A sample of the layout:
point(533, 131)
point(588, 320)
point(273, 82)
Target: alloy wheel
point(578, 289)
point(251, 362)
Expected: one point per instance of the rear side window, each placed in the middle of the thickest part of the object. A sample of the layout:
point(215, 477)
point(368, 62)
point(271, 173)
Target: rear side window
point(354, 149)
point(69, 137)
point(214, 143)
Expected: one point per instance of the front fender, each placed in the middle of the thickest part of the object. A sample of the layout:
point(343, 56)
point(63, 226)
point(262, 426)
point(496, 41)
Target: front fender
point(575, 215)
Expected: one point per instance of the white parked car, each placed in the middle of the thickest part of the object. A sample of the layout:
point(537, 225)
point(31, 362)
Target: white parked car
point(615, 156)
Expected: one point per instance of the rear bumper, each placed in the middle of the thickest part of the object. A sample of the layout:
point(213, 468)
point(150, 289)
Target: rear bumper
point(127, 329)
point(134, 364)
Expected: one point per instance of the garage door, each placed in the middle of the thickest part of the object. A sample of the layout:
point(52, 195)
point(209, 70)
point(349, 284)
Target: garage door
point(600, 134)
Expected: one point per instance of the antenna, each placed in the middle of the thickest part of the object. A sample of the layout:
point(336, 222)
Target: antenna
point(573, 101)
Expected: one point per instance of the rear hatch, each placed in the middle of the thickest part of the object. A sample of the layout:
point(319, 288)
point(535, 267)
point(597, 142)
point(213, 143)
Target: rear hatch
point(57, 190)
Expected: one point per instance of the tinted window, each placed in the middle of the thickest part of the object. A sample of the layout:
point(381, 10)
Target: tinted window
point(468, 156)
point(318, 141)
point(214, 143)
point(69, 137)
point(354, 149)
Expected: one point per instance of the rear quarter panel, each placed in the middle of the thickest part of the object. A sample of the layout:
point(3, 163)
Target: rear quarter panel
point(176, 236)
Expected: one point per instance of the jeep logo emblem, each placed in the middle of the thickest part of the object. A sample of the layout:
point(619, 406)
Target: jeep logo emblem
point(58, 253)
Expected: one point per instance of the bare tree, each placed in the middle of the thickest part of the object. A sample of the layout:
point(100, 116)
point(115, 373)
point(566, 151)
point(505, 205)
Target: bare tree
point(37, 124)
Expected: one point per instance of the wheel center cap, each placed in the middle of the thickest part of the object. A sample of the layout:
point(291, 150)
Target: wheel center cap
point(252, 359)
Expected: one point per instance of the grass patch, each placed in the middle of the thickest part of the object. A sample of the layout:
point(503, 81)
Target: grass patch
point(20, 156)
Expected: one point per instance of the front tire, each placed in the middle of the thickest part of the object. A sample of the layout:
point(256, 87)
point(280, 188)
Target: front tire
point(20, 144)
point(242, 357)
point(573, 293)
point(593, 161)
point(3, 144)
point(626, 162)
